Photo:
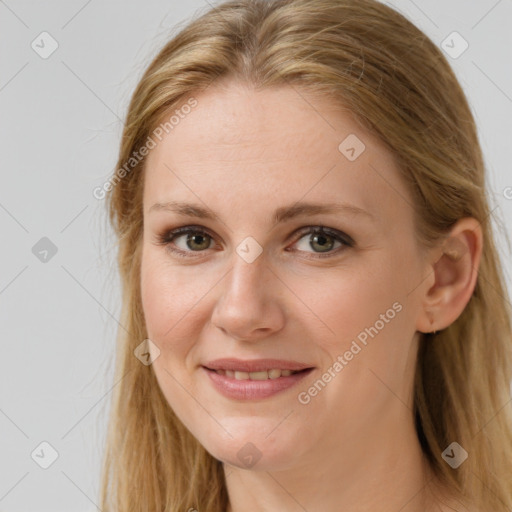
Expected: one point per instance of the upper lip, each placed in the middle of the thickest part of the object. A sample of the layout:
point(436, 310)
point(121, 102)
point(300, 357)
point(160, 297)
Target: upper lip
point(255, 365)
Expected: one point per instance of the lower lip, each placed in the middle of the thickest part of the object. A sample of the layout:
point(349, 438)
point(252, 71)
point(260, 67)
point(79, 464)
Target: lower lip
point(253, 389)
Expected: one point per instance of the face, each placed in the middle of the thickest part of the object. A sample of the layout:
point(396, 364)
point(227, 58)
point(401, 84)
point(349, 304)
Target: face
point(239, 285)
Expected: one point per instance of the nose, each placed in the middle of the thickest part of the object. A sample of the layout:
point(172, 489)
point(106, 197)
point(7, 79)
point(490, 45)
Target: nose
point(249, 307)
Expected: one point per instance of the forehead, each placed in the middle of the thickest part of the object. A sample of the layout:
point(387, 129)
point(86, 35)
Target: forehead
point(248, 147)
point(233, 118)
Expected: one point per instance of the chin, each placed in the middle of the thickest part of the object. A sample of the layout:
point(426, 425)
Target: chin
point(254, 451)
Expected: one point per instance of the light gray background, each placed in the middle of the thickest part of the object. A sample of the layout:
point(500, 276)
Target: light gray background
point(61, 120)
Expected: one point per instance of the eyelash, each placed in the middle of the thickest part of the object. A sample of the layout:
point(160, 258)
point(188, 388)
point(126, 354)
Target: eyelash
point(167, 238)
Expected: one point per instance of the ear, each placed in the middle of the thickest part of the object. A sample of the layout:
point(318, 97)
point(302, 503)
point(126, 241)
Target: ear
point(454, 266)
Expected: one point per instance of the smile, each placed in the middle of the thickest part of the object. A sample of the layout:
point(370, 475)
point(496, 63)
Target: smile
point(261, 375)
point(239, 385)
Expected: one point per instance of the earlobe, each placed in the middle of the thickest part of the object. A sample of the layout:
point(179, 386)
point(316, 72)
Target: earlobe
point(455, 270)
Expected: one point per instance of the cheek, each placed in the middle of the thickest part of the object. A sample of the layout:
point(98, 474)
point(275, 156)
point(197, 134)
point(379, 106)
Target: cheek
point(164, 297)
point(371, 319)
point(157, 298)
point(172, 299)
point(348, 300)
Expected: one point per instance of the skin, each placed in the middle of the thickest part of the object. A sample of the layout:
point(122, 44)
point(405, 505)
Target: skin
point(243, 153)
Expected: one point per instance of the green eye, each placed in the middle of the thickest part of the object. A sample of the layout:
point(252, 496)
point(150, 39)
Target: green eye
point(323, 241)
point(196, 241)
point(187, 240)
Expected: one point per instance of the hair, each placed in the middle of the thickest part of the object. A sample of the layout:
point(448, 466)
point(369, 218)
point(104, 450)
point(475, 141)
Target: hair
point(371, 60)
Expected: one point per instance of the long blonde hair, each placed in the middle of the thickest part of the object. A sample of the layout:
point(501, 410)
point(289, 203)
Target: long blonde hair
point(372, 60)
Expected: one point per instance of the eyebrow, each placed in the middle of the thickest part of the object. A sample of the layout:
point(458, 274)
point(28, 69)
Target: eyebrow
point(282, 214)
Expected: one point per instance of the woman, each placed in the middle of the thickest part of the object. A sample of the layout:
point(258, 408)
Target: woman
point(313, 309)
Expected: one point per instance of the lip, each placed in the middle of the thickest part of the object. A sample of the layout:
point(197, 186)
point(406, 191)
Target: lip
point(255, 365)
point(254, 389)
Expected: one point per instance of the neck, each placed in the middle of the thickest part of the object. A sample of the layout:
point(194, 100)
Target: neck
point(383, 470)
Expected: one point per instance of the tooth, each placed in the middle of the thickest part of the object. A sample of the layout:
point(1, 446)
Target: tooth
point(258, 375)
point(274, 373)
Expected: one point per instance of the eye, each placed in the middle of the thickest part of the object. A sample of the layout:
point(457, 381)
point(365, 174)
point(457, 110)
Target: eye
point(323, 240)
point(187, 240)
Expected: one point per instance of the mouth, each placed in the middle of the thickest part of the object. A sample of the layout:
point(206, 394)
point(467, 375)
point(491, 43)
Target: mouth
point(236, 383)
point(273, 373)
point(256, 369)
point(254, 379)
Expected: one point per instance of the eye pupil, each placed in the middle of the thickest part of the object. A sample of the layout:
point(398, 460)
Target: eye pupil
point(321, 239)
point(194, 239)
